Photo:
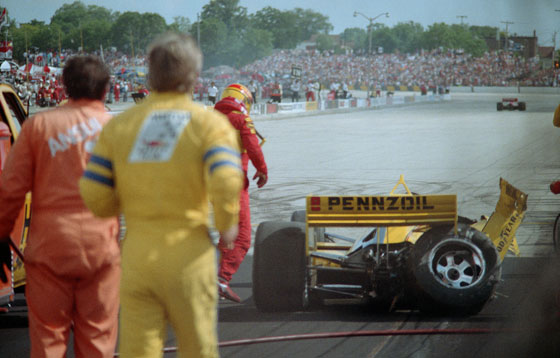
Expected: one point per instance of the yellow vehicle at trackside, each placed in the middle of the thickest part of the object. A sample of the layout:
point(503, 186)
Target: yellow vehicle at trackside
point(417, 252)
point(12, 116)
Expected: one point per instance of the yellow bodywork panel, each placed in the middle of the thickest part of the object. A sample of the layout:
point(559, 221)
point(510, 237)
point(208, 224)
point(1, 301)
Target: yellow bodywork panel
point(18, 266)
point(403, 215)
point(507, 217)
point(13, 114)
point(391, 210)
point(406, 217)
point(396, 234)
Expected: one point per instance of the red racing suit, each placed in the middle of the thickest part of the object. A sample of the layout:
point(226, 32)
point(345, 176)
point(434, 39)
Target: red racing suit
point(250, 150)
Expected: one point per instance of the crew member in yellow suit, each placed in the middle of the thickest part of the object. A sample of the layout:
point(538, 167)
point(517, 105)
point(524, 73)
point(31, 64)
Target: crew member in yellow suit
point(158, 163)
point(72, 258)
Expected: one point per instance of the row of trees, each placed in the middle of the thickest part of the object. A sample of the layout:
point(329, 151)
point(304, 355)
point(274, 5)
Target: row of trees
point(229, 35)
point(410, 37)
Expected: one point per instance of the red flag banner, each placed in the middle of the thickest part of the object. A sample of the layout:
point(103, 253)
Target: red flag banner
point(6, 49)
point(3, 17)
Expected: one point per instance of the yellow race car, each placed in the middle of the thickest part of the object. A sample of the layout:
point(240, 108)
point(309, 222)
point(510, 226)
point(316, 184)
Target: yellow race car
point(417, 252)
point(12, 115)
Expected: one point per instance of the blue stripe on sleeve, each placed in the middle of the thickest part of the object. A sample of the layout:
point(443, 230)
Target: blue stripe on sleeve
point(101, 161)
point(98, 178)
point(221, 163)
point(216, 150)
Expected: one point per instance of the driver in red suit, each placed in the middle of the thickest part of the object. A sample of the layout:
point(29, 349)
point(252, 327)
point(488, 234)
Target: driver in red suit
point(236, 104)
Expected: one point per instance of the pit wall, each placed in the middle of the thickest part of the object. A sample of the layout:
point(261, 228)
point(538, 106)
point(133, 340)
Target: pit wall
point(343, 104)
point(465, 89)
point(543, 90)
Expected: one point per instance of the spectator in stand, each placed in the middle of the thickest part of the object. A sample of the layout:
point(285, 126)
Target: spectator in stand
point(296, 87)
point(36, 91)
point(41, 95)
point(117, 91)
point(276, 92)
point(253, 88)
point(212, 93)
point(317, 89)
point(124, 90)
point(111, 91)
point(334, 90)
point(309, 92)
point(198, 91)
point(55, 95)
point(344, 90)
point(49, 95)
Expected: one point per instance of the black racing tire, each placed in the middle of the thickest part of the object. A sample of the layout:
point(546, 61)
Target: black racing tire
point(522, 106)
point(454, 274)
point(465, 220)
point(500, 106)
point(319, 233)
point(280, 267)
point(556, 234)
point(298, 216)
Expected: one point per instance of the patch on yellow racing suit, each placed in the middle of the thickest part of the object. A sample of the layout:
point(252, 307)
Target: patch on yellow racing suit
point(158, 136)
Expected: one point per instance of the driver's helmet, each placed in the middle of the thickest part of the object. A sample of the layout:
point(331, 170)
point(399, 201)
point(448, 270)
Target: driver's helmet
point(240, 93)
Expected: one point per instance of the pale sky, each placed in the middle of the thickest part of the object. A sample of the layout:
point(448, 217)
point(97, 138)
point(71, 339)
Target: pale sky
point(523, 16)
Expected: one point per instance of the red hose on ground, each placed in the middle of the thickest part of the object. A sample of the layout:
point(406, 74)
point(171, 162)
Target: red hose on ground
point(401, 332)
point(388, 332)
point(298, 337)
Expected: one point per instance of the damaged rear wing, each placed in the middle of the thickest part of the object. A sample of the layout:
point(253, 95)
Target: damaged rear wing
point(503, 223)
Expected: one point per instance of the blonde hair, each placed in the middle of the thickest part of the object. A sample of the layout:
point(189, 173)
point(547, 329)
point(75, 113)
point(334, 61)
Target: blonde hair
point(174, 61)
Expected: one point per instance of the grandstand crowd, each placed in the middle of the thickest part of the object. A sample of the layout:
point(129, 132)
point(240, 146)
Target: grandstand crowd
point(430, 69)
point(38, 80)
point(434, 68)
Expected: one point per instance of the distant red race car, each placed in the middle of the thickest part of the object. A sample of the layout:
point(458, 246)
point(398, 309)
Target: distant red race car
point(511, 104)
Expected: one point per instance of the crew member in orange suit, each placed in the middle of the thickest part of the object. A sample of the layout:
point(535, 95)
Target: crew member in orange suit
point(236, 104)
point(72, 259)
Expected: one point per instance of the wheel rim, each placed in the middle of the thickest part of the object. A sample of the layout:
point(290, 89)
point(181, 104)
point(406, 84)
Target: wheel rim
point(305, 294)
point(457, 263)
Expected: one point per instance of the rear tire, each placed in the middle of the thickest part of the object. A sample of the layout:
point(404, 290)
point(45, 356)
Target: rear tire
point(280, 267)
point(454, 274)
point(556, 234)
point(298, 216)
point(500, 106)
point(318, 232)
point(522, 106)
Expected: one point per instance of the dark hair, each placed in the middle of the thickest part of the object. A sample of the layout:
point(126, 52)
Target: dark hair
point(85, 77)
